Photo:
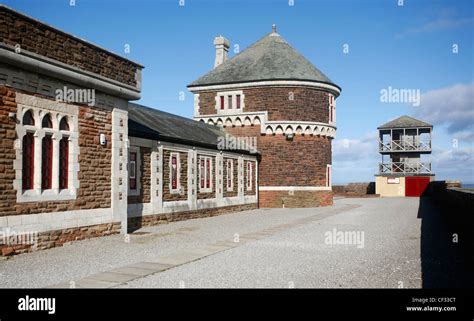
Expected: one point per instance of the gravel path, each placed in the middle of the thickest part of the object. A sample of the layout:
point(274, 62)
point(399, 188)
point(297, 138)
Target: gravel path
point(296, 256)
point(299, 257)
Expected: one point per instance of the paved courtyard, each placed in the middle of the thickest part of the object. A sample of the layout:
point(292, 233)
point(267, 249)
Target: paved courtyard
point(378, 244)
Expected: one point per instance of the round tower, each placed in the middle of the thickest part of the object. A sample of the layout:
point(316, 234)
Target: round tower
point(270, 94)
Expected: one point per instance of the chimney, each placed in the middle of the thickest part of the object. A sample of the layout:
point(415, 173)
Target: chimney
point(222, 47)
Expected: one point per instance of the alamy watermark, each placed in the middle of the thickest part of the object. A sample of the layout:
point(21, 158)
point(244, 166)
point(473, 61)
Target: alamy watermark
point(229, 142)
point(336, 237)
point(76, 95)
point(10, 237)
point(400, 95)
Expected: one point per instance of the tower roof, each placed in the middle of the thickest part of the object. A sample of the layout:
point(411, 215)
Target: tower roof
point(404, 122)
point(270, 58)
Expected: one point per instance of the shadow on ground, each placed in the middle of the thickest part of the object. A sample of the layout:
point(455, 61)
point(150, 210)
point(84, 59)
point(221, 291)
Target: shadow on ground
point(445, 264)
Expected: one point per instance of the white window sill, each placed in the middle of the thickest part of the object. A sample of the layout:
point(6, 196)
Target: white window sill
point(38, 195)
point(177, 191)
point(205, 190)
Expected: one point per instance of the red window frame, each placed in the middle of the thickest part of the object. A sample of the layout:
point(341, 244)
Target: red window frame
point(28, 161)
point(132, 184)
point(222, 102)
point(208, 173)
point(174, 172)
point(202, 172)
point(229, 174)
point(249, 175)
point(237, 102)
point(46, 162)
point(63, 162)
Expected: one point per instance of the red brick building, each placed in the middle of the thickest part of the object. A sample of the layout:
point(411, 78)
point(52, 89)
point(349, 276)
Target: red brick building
point(78, 160)
point(271, 93)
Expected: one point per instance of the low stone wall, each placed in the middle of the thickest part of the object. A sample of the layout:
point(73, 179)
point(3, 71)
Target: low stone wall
point(457, 207)
point(9, 244)
point(355, 190)
point(135, 223)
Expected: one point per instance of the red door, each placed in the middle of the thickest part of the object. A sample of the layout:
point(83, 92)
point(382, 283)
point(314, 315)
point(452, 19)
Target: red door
point(415, 186)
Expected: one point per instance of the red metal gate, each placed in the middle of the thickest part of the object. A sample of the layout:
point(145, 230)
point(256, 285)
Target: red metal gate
point(415, 186)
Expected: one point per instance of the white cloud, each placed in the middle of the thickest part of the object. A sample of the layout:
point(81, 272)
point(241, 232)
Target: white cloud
point(354, 159)
point(451, 106)
point(455, 163)
point(439, 24)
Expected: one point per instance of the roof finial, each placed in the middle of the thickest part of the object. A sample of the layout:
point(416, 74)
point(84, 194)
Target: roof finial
point(274, 28)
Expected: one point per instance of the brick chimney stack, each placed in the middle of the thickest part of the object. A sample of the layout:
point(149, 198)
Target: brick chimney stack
point(222, 48)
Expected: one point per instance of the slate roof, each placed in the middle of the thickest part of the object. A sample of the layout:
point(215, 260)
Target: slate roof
point(146, 122)
point(270, 58)
point(404, 122)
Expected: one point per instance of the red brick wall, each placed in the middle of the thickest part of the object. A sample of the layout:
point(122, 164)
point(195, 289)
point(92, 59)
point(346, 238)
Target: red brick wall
point(298, 199)
point(282, 103)
point(301, 162)
point(183, 159)
point(46, 41)
point(94, 162)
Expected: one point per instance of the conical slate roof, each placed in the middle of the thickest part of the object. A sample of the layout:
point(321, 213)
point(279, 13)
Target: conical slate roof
point(270, 58)
point(404, 122)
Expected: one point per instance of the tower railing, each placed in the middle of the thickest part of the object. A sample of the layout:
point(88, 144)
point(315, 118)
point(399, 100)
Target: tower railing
point(404, 145)
point(405, 168)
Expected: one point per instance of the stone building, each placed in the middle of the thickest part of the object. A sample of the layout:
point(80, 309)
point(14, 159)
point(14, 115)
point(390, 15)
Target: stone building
point(272, 93)
point(77, 160)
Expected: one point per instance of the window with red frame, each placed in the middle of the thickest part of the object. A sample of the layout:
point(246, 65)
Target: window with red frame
point(208, 173)
point(28, 161)
point(222, 102)
point(63, 162)
point(205, 173)
point(201, 173)
point(229, 175)
point(174, 172)
point(133, 171)
point(249, 176)
point(46, 162)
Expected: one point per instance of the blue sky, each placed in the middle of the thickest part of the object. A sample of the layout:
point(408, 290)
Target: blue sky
point(405, 47)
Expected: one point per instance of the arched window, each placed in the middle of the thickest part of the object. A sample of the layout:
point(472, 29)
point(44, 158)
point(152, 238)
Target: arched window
point(47, 123)
point(63, 162)
point(46, 162)
point(63, 125)
point(28, 161)
point(28, 118)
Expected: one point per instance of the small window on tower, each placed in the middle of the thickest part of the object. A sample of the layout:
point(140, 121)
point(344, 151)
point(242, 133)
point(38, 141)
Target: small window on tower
point(238, 101)
point(222, 102)
point(229, 102)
